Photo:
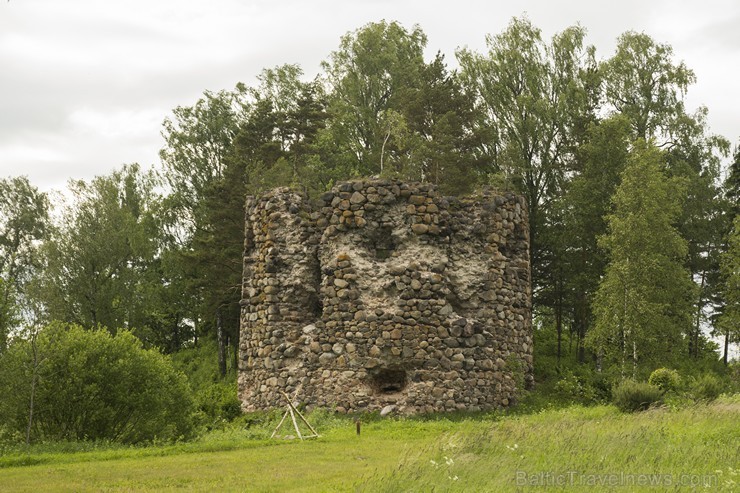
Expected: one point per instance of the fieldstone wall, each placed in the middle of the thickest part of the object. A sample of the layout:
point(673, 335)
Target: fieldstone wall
point(385, 295)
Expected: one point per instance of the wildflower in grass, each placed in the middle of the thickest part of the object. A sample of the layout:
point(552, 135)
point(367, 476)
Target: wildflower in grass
point(449, 461)
point(451, 444)
point(434, 463)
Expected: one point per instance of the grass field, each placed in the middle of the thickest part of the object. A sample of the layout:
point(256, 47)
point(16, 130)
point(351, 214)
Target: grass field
point(577, 448)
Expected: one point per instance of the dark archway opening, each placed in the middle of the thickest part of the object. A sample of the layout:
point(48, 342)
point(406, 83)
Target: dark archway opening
point(389, 380)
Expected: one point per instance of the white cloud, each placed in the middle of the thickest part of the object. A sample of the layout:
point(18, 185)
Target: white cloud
point(21, 153)
point(85, 84)
point(116, 123)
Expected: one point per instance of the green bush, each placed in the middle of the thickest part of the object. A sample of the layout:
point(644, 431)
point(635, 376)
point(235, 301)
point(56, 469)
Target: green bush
point(630, 396)
point(90, 385)
point(733, 374)
point(219, 402)
point(199, 363)
point(582, 386)
point(215, 396)
point(574, 388)
point(665, 379)
point(707, 387)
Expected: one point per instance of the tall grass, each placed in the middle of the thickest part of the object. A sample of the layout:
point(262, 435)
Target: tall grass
point(577, 449)
point(485, 452)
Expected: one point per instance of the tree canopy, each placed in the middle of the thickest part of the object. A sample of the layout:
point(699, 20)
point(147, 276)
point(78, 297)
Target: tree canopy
point(643, 304)
point(633, 233)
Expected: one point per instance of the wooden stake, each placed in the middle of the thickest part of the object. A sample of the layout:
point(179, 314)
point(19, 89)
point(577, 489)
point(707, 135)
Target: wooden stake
point(292, 410)
point(300, 415)
point(295, 425)
point(279, 425)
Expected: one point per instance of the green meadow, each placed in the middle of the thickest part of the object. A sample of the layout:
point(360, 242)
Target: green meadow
point(574, 449)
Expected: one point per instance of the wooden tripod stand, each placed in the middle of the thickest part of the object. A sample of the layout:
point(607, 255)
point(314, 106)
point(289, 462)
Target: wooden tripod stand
point(293, 412)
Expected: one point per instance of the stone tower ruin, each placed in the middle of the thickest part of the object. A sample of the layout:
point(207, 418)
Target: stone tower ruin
point(385, 293)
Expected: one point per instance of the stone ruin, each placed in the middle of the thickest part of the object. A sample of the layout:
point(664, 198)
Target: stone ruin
point(385, 295)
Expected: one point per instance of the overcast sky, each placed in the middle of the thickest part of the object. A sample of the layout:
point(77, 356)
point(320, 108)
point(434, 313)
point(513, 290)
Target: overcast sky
point(85, 84)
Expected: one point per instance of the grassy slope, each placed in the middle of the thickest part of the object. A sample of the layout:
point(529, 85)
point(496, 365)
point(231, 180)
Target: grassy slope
point(483, 454)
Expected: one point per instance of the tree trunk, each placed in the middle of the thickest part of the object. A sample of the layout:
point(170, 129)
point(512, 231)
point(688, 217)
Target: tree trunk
point(624, 356)
point(176, 333)
point(625, 333)
point(382, 150)
point(235, 359)
point(559, 323)
point(5, 331)
point(34, 377)
point(221, 343)
point(580, 314)
point(634, 360)
point(582, 342)
point(727, 345)
point(694, 337)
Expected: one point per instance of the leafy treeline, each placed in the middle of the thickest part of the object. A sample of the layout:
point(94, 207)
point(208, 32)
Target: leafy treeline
point(633, 248)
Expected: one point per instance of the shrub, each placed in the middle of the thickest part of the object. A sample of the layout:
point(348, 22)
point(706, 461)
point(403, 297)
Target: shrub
point(219, 402)
point(215, 396)
point(575, 389)
point(707, 387)
point(584, 387)
point(733, 373)
point(665, 379)
point(199, 363)
point(630, 396)
point(92, 385)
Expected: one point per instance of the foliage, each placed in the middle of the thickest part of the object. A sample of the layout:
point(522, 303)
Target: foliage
point(572, 262)
point(643, 300)
point(9, 316)
point(366, 76)
point(218, 404)
point(90, 385)
point(733, 373)
point(534, 97)
point(227, 145)
point(24, 222)
point(729, 321)
point(100, 262)
point(198, 363)
point(215, 397)
point(665, 379)
point(642, 82)
point(197, 139)
point(707, 387)
point(583, 389)
point(631, 396)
